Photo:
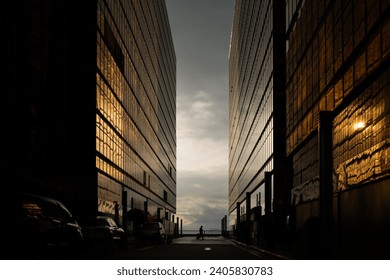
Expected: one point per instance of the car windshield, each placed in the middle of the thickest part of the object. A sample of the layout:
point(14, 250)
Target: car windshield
point(150, 226)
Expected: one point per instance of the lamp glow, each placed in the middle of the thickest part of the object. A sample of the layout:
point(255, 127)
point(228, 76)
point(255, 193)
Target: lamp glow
point(359, 125)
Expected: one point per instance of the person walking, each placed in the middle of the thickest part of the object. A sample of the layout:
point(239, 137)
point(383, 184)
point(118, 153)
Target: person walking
point(201, 233)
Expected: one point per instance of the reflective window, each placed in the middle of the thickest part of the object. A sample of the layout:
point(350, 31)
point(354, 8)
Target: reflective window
point(135, 83)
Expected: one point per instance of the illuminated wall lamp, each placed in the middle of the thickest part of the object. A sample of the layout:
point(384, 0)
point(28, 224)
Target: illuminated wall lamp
point(359, 125)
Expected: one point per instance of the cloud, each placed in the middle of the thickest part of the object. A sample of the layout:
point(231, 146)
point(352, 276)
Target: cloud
point(202, 198)
point(195, 212)
point(211, 184)
point(201, 156)
point(201, 34)
point(200, 115)
point(201, 134)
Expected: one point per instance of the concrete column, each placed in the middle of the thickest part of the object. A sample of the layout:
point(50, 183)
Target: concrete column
point(124, 210)
point(224, 226)
point(124, 217)
point(166, 215)
point(260, 206)
point(248, 218)
point(145, 210)
point(116, 212)
point(268, 193)
point(258, 224)
point(238, 205)
point(268, 219)
point(177, 226)
point(325, 147)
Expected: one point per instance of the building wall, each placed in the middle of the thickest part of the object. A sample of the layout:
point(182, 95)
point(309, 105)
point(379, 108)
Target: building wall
point(337, 60)
point(91, 102)
point(256, 81)
point(48, 73)
point(136, 119)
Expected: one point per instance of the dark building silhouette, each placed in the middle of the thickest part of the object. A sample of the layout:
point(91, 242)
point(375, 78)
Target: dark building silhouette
point(88, 104)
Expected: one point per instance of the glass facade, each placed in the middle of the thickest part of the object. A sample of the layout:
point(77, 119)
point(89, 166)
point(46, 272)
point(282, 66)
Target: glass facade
point(335, 62)
point(135, 107)
point(338, 61)
point(335, 71)
point(95, 116)
point(252, 79)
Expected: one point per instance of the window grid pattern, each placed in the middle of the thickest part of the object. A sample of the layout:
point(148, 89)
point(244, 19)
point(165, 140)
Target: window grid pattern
point(135, 120)
point(251, 98)
point(334, 48)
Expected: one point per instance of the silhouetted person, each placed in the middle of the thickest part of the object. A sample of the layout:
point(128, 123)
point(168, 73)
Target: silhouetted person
point(201, 233)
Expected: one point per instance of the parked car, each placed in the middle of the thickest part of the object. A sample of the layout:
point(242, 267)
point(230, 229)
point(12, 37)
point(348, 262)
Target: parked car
point(101, 232)
point(152, 231)
point(38, 227)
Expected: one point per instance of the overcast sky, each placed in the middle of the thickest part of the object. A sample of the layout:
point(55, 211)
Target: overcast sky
point(201, 35)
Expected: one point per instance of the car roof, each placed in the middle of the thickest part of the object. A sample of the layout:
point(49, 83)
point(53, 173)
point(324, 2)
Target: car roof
point(41, 197)
point(44, 198)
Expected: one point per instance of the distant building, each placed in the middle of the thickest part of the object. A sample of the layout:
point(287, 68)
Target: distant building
point(88, 104)
point(338, 63)
point(257, 167)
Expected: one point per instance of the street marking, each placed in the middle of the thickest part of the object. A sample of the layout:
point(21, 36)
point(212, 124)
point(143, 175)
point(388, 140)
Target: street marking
point(207, 249)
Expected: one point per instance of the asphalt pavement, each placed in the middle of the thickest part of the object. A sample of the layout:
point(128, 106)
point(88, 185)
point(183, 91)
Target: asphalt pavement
point(190, 248)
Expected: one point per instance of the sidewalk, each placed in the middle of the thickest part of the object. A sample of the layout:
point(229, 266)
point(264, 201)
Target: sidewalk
point(193, 240)
point(276, 254)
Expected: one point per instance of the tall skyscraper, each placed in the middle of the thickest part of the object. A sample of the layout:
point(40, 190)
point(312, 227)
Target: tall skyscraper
point(333, 92)
point(90, 104)
point(257, 117)
point(338, 115)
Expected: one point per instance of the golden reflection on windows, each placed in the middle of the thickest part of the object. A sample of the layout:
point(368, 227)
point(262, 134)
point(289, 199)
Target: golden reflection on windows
point(130, 85)
point(360, 67)
point(360, 141)
point(373, 53)
point(251, 99)
point(108, 104)
point(334, 59)
point(32, 209)
point(108, 143)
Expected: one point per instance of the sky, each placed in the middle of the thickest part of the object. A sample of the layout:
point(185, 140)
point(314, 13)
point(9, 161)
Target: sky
point(201, 36)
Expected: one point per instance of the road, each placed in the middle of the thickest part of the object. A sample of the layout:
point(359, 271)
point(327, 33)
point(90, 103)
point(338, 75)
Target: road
point(189, 248)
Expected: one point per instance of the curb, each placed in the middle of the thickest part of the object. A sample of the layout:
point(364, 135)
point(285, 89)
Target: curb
point(260, 250)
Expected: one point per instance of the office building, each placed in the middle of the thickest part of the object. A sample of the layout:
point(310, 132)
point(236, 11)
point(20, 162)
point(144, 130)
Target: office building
point(338, 115)
point(257, 191)
point(90, 105)
point(333, 92)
